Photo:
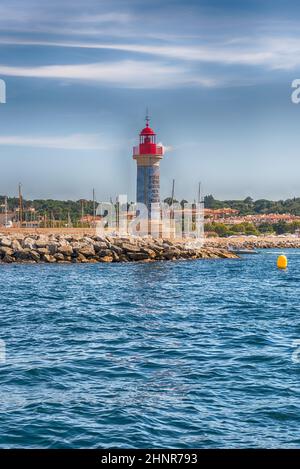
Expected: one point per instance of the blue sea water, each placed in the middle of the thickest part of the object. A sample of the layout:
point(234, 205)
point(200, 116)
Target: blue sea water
point(168, 354)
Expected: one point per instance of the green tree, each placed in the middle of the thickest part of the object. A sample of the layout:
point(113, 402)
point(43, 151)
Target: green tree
point(266, 228)
point(281, 227)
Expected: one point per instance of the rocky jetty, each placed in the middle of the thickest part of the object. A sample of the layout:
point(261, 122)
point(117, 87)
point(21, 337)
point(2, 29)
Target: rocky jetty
point(258, 242)
point(59, 248)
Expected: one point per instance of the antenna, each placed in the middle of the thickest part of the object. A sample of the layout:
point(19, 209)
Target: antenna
point(173, 191)
point(94, 206)
point(5, 209)
point(69, 220)
point(147, 118)
point(82, 208)
point(20, 205)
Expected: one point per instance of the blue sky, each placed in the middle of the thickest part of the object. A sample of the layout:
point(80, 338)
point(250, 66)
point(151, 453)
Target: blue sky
point(216, 76)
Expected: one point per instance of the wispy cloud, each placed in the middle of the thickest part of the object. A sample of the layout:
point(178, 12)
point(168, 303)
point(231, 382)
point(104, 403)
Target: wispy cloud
point(128, 73)
point(109, 17)
point(268, 52)
point(69, 142)
point(191, 35)
point(56, 19)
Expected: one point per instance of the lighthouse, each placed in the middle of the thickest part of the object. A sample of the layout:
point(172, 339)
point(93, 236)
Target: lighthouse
point(148, 155)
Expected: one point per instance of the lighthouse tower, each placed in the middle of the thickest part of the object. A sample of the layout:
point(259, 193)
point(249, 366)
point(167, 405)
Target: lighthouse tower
point(148, 155)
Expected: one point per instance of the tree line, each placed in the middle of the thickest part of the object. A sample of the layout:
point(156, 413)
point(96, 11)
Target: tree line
point(249, 206)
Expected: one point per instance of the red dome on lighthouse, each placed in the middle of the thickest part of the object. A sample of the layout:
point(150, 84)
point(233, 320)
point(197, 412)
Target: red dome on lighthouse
point(147, 131)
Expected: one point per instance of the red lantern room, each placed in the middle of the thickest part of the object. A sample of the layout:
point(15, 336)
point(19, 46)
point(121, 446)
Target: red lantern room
point(148, 144)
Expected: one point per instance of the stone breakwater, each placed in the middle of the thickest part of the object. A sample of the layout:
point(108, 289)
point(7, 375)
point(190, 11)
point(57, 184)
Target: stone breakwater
point(91, 249)
point(260, 242)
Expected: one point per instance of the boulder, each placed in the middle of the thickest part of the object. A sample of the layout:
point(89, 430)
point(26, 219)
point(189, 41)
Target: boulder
point(87, 251)
point(8, 259)
point(118, 241)
point(104, 253)
point(187, 254)
point(59, 256)
point(69, 239)
point(75, 260)
point(22, 254)
point(80, 258)
point(115, 256)
point(137, 256)
point(204, 255)
point(77, 245)
point(99, 238)
point(167, 242)
point(5, 241)
point(130, 247)
point(123, 258)
point(99, 246)
point(15, 245)
point(43, 251)
point(116, 249)
point(28, 243)
point(6, 251)
point(87, 240)
point(35, 256)
point(150, 252)
point(155, 247)
point(171, 254)
point(52, 248)
point(106, 259)
point(65, 249)
point(48, 258)
point(41, 243)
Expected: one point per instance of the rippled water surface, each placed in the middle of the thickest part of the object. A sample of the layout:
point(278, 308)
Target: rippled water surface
point(169, 354)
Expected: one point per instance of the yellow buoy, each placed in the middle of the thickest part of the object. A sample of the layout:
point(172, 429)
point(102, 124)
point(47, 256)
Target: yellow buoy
point(282, 262)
